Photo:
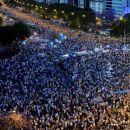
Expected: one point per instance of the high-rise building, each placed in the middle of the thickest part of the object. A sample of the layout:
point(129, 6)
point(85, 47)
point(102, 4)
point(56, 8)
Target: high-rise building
point(73, 2)
point(121, 7)
point(78, 3)
point(100, 6)
point(86, 3)
point(39, 1)
point(128, 3)
point(97, 5)
point(118, 7)
point(127, 9)
point(81, 3)
point(108, 5)
point(63, 1)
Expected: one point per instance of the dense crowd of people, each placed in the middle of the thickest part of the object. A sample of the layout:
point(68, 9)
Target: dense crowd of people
point(75, 86)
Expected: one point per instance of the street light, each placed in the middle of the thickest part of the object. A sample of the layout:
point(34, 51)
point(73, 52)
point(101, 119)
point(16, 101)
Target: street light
point(72, 13)
point(45, 8)
point(97, 18)
point(62, 11)
point(79, 26)
point(54, 10)
point(83, 15)
point(121, 18)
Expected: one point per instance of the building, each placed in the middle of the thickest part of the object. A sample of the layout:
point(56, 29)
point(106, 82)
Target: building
point(40, 1)
point(100, 6)
point(97, 6)
point(78, 3)
point(127, 8)
point(118, 7)
point(86, 3)
point(108, 5)
point(73, 2)
point(81, 4)
point(63, 1)
point(48, 1)
point(121, 7)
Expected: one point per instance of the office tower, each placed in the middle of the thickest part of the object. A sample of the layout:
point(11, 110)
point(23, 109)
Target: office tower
point(108, 5)
point(63, 1)
point(121, 7)
point(127, 8)
point(73, 2)
point(97, 6)
point(86, 3)
point(118, 6)
point(79, 3)
point(128, 3)
point(39, 1)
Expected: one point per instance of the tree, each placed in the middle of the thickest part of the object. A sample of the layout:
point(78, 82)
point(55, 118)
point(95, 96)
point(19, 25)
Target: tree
point(22, 31)
point(72, 15)
point(123, 24)
point(118, 29)
point(9, 34)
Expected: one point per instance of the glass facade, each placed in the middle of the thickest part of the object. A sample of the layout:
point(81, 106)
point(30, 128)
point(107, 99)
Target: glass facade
point(119, 7)
point(63, 1)
point(81, 3)
point(97, 6)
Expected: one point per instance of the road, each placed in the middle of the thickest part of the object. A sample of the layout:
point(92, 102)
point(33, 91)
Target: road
point(66, 30)
point(27, 17)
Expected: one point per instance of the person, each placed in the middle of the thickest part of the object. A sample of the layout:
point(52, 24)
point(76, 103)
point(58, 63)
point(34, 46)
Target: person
point(78, 97)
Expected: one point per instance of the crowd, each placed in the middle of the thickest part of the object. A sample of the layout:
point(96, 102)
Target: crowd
point(68, 93)
point(7, 20)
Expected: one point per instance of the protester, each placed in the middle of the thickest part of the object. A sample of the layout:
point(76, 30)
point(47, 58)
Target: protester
point(68, 88)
